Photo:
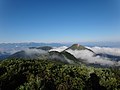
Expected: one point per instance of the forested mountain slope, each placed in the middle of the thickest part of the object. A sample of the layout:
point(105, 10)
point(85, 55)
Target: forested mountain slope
point(22, 74)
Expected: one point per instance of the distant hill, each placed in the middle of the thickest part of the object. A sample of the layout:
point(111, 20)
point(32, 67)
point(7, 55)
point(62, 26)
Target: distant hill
point(23, 55)
point(4, 55)
point(46, 48)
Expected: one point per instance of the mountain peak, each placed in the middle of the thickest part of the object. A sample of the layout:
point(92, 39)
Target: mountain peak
point(77, 47)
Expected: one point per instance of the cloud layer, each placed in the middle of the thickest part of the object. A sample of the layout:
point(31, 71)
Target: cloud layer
point(106, 50)
point(89, 57)
point(86, 55)
point(35, 51)
point(59, 49)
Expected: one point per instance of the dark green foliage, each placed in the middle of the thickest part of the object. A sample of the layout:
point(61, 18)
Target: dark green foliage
point(93, 83)
point(51, 75)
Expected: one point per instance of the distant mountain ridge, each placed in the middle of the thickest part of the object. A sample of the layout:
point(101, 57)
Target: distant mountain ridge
point(63, 56)
point(31, 44)
point(69, 55)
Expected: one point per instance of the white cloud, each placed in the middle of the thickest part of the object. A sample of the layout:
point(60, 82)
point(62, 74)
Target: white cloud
point(34, 51)
point(106, 50)
point(59, 49)
point(89, 57)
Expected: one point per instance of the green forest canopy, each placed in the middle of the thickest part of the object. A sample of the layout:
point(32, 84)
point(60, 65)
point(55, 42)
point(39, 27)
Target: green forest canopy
point(22, 74)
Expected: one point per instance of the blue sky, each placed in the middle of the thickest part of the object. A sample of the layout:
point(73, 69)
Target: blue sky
point(59, 20)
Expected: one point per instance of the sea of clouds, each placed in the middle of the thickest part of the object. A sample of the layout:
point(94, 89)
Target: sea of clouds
point(90, 57)
point(106, 50)
point(86, 55)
